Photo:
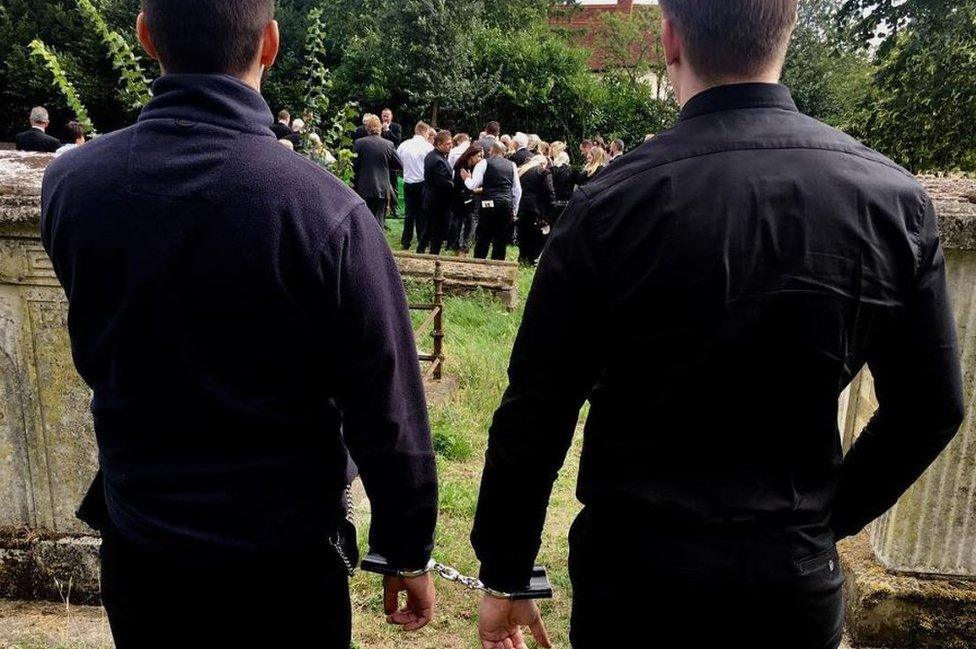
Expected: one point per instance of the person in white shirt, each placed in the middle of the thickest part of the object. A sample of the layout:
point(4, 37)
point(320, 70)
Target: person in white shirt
point(76, 137)
point(412, 153)
point(501, 195)
point(462, 141)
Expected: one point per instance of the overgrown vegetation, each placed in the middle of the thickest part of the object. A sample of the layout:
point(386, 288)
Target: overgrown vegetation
point(899, 75)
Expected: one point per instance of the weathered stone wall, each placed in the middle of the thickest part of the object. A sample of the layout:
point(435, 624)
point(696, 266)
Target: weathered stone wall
point(932, 529)
point(47, 448)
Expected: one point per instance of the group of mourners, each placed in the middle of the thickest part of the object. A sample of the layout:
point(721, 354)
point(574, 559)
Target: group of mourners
point(461, 193)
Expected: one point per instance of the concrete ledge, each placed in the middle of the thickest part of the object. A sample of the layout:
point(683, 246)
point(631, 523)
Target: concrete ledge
point(464, 274)
point(886, 609)
point(39, 566)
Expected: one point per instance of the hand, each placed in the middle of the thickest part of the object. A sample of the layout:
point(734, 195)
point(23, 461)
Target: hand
point(500, 622)
point(465, 174)
point(420, 601)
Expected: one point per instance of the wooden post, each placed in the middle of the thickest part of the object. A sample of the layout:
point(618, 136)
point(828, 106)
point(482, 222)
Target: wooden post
point(438, 321)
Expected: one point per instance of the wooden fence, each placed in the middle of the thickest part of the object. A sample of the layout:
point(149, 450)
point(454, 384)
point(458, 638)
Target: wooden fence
point(432, 325)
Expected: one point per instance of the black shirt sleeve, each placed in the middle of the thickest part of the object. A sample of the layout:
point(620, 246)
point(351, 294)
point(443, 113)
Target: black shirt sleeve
point(553, 367)
point(918, 384)
point(381, 393)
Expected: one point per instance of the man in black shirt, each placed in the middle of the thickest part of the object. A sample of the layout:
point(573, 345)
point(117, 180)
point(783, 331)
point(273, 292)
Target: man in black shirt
point(282, 128)
point(711, 295)
point(394, 133)
point(238, 315)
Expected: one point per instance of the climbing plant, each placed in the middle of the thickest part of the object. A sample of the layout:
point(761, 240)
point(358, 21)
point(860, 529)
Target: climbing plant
point(61, 81)
point(331, 129)
point(134, 91)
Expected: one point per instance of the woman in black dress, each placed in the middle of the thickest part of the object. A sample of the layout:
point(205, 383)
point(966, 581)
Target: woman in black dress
point(562, 178)
point(596, 161)
point(465, 212)
point(535, 209)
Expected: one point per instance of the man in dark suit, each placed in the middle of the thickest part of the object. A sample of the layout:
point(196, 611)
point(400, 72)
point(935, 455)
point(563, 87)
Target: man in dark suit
point(361, 131)
point(438, 194)
point(375, 160)
point(238, 315)
point(282, 128)
point(394, 133)
point(753, 260)
point(36, 139)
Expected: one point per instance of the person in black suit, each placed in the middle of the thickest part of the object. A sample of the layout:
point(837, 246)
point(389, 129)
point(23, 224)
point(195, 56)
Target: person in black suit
point(536, 209)
point(394, 133)
point(522, 153)
point(375, 158)
point(438, 193)
point(361, 131)
point(282, 128)
point(36, 139)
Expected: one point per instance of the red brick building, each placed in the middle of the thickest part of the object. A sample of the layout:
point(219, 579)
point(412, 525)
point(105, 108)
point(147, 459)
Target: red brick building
point(584, 21)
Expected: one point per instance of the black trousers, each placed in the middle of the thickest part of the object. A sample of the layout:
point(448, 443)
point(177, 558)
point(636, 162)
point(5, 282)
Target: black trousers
point(378, 207)
point(438, 222)
point(530, 238)
point(494, 231)
point(394, 194)
point(464, 222)
point(288, 600)
point(700, 588)
point(413, 198)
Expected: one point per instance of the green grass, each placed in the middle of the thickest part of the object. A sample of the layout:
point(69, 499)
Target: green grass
point(478, 343)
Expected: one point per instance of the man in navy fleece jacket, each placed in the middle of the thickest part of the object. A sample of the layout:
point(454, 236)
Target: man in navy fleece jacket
point(239, 318)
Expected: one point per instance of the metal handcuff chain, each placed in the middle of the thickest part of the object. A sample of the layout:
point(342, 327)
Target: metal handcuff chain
point(446, 572)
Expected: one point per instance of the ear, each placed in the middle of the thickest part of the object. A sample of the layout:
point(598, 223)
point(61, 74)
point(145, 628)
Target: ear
point(142, 32)
point(671, 42)
point(270, 44)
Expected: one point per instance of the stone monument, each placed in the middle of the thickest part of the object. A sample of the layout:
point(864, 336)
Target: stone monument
point(912, 574)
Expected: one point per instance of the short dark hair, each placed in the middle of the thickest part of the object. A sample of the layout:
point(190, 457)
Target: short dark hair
point(74, 131)
point(493, 128)
point(207, 36)
point(732, 38)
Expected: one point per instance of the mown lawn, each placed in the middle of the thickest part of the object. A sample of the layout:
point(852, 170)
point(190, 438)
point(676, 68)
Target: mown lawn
point(479, 340)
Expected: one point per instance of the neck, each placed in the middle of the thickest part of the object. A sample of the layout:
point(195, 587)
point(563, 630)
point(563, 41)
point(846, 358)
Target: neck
point(692, 85)
point(39, 127)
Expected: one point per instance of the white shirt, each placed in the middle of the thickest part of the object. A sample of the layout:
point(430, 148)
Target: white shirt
point(65, 148)
point(477, 179)
point(456, 153)
point(412, 153)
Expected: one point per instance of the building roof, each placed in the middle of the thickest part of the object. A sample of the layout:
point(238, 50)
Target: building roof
point(584, 21)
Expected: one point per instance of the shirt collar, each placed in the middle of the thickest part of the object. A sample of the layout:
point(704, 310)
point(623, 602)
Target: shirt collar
point(737, 97)
point(215, 99)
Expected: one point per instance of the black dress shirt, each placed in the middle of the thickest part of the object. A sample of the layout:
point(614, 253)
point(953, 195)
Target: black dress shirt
point(712, 294)
point(239, 317)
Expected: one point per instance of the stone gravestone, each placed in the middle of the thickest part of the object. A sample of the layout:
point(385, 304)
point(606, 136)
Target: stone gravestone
point(48, 453)
point(910, 576)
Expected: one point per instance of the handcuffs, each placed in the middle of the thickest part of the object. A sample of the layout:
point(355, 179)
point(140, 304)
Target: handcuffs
point(539, 586)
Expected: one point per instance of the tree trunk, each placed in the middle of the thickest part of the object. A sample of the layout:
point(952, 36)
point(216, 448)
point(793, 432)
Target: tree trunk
point(433, 115)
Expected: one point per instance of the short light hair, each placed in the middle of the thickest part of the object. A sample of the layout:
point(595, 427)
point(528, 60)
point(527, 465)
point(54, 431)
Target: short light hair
point(373, 125)
point(461, 138)
point(498, 147)
point(38, 115)
point(732, 39)
point(366, 118)
point(442, 137)
point(521, 140)
point(421, 129)
point(298, 125)
point(284, 115)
